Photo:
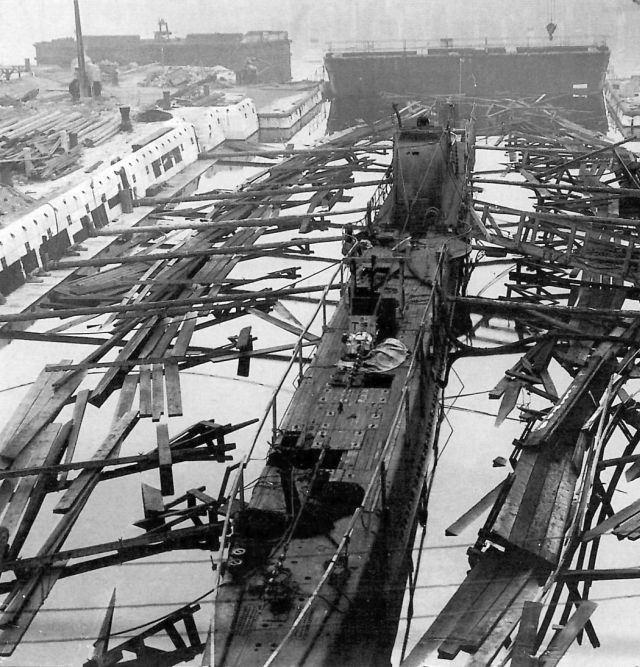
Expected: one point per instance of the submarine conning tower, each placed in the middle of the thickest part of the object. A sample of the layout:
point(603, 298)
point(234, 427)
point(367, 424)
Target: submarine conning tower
point(429, 164)
point(420, 161)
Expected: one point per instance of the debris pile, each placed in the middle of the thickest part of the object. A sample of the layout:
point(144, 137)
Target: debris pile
point(48, 145)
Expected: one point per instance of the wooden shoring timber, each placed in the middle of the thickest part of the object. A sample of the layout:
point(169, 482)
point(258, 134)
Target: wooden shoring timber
point(524, 646)
point(79, 408)
point(28, 595)
point(315, 222)
point(503, 306)
point(40, 407)
point(613, 522)
point(557, 219)
point(473, 513)
point(254, 193)
point(325, 150)
point(136, 463)
point(15, 494)
point(148, 655)
point(110, 380)
point(613, 192)
point(173, 390)
point(287, 326)
point(127, 395)
point(84, 483)
point(165, 306)
point(199, 214)
point(43, 337)
point(217, 355)
point(179, 254)
point(101, 644)
point(43, 484)
point(157, 392)
point(165, 460)
point(563, 639)
point(480, 609)
point(159, 517)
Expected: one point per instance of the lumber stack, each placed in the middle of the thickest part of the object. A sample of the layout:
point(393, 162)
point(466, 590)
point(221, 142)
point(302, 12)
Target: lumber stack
point(39, 143)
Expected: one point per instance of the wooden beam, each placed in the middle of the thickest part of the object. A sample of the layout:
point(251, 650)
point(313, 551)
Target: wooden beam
point(87, 479)
point(165, 460)
point(476, 511)
point(561, 642)
point(195, 304)
point(248, 194)
point(524, 646)
point(182, 254)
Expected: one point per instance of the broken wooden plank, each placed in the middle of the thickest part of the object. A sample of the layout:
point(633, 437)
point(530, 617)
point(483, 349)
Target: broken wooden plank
point(101, 644)
point(78, 414)
point(524, 646)
point(20, 497)
point(145, 391)
point(174, 392)
point(165, 460)
point(476, 511)
point(244, 344)
point(157, 392)
point(609, 524)
point(183, 338)
point(40, 407)
point(561, 642)
point(127, 394)
point(152, 504)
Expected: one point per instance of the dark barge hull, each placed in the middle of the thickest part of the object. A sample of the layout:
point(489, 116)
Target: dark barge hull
point(526, 71)
point(571, 77)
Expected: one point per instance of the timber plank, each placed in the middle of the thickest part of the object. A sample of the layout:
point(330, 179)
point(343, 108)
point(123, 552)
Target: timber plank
point(464, 597)
point(174, 392)
point(79, 408)
point(516, 576)
point(40, 407)
point(508, 512)
point(183, 338)
point(165, 460)
point(503, 628)
point(532, 535)
point(524, 647)
point(451, 618)
point(157, 392)
point(145, 391)
point(466, 634)
point(609, 524)
point(561, 642)
point(101, 391)
point(554, 539)
point(127, 394)
point(42, 444)
point(87, 479)
point(476, 511)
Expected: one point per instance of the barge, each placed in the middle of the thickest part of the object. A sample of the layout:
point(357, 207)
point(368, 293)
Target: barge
point(315, 564)
point(566, 75)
